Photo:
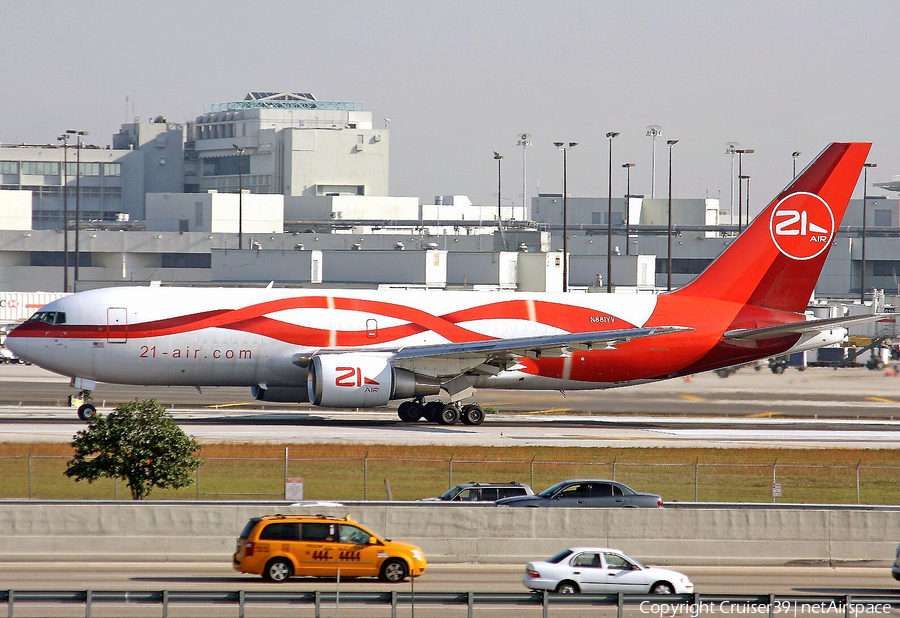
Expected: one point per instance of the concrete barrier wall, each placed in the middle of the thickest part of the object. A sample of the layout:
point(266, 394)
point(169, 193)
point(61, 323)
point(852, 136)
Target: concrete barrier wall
point(110, 532)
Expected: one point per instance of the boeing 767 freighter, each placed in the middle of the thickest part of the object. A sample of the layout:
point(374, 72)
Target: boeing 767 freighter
point(363, 349)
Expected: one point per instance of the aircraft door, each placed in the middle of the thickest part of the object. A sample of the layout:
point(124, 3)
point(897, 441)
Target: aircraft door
point(116, 325)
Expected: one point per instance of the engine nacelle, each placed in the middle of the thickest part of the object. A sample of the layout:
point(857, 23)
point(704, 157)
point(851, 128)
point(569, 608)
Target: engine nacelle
point(349, 381)
point(282, 394)
point(353, 380)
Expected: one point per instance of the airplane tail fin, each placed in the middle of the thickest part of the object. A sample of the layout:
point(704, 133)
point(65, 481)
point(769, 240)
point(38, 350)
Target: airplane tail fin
point(776, 261)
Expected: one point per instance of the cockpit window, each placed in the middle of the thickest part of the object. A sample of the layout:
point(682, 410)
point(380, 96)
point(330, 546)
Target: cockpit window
point(49, 317)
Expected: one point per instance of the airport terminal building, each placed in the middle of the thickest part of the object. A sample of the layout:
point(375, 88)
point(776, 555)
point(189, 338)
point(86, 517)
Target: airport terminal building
point(284, 187)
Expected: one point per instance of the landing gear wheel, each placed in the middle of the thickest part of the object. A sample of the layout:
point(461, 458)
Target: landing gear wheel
point(778, 369)
point(432, 410)
point(87, 412)
point(472, 415)
point(449, 415)
point(409, 412)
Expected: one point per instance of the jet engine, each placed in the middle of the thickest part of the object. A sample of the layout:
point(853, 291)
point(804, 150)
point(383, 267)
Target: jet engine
point(283, 394)
point(362, 381)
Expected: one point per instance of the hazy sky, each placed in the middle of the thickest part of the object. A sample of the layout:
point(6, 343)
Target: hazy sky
point(460, 80)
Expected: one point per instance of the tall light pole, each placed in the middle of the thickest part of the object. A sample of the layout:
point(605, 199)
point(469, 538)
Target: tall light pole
point(794, 156)
point(670, 143)
point(524, 142)
point(731, 148)
point(741, 153)
point(77, 135)
point(862, 279)
point(627, 167)
point(654, 131)
point(240, 151)
point(565, 260)
point(610, 136)
point(498, 157)
point(747, 178)
point(64, 183)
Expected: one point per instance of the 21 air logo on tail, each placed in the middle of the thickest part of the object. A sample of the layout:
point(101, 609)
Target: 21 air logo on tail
point(802, 226)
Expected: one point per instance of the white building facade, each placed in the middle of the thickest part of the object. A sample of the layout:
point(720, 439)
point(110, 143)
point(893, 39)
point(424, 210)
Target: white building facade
point(292, 144)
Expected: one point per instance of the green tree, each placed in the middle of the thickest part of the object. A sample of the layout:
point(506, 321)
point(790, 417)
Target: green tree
point(138, 442)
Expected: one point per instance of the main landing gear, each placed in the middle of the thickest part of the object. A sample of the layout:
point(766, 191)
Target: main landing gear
point(440, 412)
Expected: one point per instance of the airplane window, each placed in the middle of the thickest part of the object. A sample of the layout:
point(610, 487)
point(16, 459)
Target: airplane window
point(49, 317)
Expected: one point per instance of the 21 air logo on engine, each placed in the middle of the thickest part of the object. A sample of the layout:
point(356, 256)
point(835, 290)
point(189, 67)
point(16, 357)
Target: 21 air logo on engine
point(352, 377)
point(802, 226)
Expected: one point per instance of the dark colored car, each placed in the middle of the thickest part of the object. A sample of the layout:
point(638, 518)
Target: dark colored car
point(483, 492)
point(586, 492)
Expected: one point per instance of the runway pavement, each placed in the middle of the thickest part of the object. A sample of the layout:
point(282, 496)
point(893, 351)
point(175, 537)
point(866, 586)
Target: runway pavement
point(816, 392)
point(812, 409)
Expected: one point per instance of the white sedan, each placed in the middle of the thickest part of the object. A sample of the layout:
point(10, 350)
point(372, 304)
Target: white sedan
point(597, 569)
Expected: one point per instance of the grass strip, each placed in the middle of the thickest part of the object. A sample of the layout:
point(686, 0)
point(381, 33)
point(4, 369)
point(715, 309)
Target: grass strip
point(251, 471)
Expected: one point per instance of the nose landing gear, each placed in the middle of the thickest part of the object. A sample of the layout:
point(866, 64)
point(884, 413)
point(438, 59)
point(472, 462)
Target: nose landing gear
point(86, 411)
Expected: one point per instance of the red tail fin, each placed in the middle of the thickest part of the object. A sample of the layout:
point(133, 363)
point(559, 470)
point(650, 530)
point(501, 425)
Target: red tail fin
point(776, 261)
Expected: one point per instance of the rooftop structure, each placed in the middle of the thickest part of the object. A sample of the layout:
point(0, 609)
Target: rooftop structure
point(283, 100)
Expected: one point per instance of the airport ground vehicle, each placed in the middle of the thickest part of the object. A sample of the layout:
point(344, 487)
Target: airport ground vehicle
point(895, 569)
point(483, 492)
point(586, 492)
point(280, 546)
point(598, 569)
point(7, 357)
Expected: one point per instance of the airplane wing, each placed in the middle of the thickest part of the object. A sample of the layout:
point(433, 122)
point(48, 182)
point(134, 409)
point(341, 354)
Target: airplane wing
point(535, 347)
point(494, 355)
point(799, 328)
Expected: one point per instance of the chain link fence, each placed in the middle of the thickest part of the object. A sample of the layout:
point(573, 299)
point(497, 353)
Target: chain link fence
point(378, 478)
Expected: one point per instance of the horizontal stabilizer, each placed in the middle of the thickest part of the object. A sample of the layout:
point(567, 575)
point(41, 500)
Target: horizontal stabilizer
point(799, 328)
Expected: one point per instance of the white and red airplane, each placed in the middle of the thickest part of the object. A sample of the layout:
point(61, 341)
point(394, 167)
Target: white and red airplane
point(359, 349)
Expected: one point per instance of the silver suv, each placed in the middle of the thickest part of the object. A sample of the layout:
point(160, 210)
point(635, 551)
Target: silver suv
point(483, 492)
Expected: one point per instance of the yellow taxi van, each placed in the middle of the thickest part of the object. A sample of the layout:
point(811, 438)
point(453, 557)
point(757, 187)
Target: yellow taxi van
point(280, 546)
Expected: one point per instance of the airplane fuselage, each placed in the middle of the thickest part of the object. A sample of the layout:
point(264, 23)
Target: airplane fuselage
point(248, 337)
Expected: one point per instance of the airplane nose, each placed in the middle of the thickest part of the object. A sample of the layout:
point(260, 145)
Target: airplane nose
point(17, 344)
